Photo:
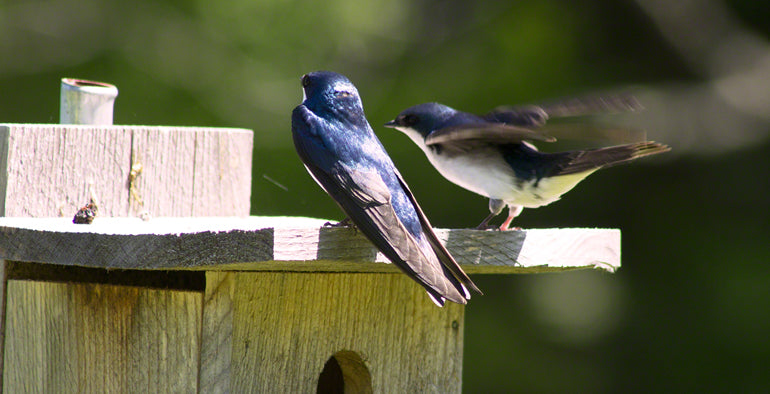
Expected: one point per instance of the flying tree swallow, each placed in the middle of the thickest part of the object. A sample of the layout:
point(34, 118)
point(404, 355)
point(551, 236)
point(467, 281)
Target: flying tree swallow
point(342, 153)
point(492, 155)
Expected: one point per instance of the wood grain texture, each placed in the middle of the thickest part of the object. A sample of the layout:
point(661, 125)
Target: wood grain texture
point(287, 325)
point(75, 338)
point(191, 171)
point(3, 281)
point(222, 173)
point(52, 170)
point(286, 244)
point(217, 334)
point(164, 157)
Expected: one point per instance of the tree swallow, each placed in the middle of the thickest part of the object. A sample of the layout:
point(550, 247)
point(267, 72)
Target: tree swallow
point(490, 155)
point(342, 153)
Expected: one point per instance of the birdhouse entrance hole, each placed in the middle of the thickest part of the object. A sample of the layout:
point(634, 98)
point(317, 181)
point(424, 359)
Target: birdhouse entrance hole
point(345, 372)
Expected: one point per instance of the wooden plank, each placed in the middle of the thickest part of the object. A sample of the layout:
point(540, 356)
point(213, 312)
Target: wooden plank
point(222, 173)
point(90, 248)
point(52, 170)
point(5, 171)
point(3, 280)
point(162, 159)
point(198, 171)
point(288, 244)
point(69, 338)
point(287, 325)
point(217, 335)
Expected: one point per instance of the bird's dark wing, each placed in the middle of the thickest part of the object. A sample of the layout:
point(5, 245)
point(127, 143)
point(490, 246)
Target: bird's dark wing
point(467, 137)
point(443, 254)
point(366, 199)
point(537, 115)
point(566, 163)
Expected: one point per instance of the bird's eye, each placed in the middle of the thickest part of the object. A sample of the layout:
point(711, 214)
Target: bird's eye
point(305, 81)
point(410, 119)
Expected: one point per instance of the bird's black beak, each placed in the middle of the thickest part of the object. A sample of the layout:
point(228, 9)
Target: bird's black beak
point(392, 123)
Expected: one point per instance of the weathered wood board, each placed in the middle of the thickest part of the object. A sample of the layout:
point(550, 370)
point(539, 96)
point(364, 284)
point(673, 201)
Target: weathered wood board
point(96, 338)
point(177, 171)
point(264, 330)
point(217, 334)
point(34, 159)
point(288, 244)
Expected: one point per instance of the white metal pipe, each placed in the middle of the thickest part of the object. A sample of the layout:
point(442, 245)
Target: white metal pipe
point(86, 102)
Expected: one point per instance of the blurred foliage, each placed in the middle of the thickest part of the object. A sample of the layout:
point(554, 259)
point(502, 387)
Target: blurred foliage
point(688, 312)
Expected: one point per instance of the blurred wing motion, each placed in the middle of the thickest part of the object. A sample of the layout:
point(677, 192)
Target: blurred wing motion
point(536, 116)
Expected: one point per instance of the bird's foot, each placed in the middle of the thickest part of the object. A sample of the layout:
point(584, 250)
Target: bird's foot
point(505, 227)
point(342, 223)
point(487, 227)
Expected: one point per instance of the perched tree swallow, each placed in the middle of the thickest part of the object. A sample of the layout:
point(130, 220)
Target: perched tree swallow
point(342, 153)
point(490, 155)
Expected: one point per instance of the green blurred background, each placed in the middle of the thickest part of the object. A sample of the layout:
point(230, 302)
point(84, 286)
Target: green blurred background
point(690, 309)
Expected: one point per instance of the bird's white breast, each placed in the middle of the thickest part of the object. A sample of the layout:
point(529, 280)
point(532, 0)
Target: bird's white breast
point(475, 175)
point(485, 172)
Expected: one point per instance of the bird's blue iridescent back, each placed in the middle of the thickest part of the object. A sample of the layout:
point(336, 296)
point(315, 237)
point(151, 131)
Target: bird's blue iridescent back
point(345, 123)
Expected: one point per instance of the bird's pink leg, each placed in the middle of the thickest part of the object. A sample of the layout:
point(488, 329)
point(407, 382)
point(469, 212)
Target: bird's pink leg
point(513, 211)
